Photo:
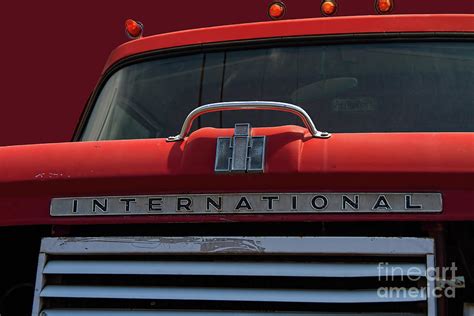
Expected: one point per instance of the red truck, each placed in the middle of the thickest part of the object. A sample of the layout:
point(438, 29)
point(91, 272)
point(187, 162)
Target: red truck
point(320, 166)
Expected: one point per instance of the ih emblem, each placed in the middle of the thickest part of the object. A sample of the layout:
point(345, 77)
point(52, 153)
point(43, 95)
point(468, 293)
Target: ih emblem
point(241, 153)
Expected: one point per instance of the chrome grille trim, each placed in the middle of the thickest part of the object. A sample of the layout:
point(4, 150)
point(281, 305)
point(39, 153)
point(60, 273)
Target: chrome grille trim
point(373, 246)
point(150, 257)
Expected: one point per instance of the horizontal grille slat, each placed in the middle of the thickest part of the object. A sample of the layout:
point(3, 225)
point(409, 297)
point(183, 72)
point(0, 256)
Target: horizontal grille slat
point(224, 294)
point(331, 269)
point(90, 312)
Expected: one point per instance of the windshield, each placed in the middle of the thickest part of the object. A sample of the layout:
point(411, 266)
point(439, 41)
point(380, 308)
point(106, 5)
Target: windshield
point(369, 87)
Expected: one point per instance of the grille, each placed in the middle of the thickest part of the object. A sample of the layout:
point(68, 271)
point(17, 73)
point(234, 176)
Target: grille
point(234, 276)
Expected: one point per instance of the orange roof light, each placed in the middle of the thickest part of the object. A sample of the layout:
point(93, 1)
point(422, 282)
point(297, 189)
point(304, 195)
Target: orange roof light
point(133, 29)
point(276, 10)
point(384, 6)
point(328, 7)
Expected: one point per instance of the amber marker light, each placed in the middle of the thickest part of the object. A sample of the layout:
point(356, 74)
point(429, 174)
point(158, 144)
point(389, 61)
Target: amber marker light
point(133, 29)
point(328, 7)
point(276, 10)
point(384, 6)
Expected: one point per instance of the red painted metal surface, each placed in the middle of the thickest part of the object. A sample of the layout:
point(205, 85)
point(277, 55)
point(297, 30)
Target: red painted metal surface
point(412, 162)
point(303, 27)
point(395, 162)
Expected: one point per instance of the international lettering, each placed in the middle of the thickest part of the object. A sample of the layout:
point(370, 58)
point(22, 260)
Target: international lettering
point(248, 203)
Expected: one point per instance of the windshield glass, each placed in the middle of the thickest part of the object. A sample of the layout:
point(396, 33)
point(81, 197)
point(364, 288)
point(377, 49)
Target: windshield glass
point(369, 87)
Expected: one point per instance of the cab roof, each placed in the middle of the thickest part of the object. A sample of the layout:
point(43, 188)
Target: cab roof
point(370, 24)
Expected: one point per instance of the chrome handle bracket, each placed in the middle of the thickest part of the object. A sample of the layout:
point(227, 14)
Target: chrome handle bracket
point(248, 105)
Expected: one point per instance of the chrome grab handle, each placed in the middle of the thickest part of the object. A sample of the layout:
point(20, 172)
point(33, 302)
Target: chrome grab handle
point(248, 105)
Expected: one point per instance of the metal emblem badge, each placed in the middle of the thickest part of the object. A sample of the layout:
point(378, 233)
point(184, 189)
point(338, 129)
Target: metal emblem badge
point(240, 153)
point(250, 203)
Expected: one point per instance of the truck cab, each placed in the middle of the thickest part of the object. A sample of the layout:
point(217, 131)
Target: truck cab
point(320, 166)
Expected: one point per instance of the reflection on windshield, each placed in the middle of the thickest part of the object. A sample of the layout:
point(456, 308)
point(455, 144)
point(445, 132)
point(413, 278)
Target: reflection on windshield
point(378, 87)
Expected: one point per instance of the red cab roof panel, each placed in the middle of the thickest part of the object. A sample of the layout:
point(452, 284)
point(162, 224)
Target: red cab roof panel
point(414, 23)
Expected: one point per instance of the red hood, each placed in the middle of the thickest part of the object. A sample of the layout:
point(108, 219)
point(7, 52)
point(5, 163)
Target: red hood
point(396, 162)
